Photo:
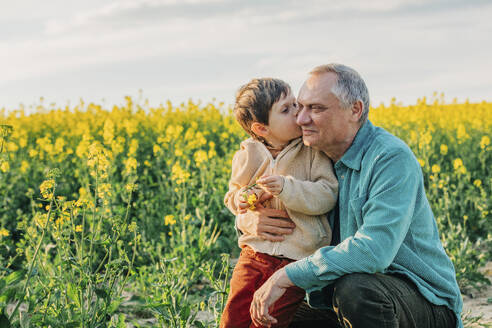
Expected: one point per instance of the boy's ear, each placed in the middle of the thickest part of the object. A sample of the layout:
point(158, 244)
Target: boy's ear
point(259, 129)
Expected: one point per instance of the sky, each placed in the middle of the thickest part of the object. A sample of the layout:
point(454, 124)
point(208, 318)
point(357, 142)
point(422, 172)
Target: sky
point(104, 50)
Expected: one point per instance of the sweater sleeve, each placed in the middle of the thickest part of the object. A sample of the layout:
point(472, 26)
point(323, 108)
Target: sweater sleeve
point(387, 215)
point(247, 163)
point(315, 197)
point(239, 178)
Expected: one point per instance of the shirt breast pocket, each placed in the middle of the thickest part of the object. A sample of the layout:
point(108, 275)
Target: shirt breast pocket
point(355, 208)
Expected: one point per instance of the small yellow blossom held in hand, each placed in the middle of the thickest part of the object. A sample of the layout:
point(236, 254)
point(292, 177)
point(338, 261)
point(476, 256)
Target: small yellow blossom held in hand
point(251, 200)
point(4, 232)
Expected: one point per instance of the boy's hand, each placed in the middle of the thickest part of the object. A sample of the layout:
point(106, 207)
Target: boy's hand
point(271, 183)
point(245, 202)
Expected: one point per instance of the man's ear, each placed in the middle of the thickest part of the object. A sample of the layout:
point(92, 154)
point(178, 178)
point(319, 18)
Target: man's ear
point(357, 110)
point(259, 129)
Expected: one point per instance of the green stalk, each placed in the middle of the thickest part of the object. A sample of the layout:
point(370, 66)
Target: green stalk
point(35, 256)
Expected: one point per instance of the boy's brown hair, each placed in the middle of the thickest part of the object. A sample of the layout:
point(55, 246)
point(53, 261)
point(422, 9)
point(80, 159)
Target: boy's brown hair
point(254, 101)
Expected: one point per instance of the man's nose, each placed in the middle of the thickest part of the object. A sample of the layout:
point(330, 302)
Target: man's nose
point(302, 117)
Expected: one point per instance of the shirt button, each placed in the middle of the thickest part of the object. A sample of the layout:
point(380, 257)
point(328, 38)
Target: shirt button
point(343, 176)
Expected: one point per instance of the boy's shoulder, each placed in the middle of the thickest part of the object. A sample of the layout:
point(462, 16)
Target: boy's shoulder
point(250, 143)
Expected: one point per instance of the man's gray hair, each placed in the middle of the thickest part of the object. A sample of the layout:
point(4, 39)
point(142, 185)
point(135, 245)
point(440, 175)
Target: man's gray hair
point(349, 88)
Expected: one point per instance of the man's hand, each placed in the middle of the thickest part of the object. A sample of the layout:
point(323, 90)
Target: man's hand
point(272, 184)
point(266, 296)
point(267, 223)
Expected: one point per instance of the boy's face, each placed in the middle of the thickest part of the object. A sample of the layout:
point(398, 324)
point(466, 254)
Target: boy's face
point(282, 125)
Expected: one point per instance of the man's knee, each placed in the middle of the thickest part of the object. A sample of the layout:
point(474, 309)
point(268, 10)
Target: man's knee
point(358, 292)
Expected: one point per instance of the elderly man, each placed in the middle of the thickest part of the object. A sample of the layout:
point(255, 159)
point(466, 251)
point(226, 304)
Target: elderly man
point(387, 266)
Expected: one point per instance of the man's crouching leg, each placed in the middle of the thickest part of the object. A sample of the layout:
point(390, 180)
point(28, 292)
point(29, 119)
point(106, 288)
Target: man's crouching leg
point(384, 301)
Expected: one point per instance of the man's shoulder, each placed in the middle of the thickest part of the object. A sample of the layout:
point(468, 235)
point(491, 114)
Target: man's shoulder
point(386, 146)
point(388, 143)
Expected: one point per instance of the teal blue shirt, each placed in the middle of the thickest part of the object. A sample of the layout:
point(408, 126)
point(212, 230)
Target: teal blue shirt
point(386, 224)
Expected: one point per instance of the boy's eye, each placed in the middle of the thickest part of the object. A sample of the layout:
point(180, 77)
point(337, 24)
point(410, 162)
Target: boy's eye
point(285, 110)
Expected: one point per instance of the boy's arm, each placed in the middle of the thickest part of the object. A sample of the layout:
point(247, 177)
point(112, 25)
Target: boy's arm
point(244, 166)
point(314, 197)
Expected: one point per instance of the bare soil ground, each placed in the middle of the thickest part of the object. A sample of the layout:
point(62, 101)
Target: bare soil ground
point(479, 302)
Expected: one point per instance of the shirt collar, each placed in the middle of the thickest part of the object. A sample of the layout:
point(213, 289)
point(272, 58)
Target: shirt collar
point(353, 156)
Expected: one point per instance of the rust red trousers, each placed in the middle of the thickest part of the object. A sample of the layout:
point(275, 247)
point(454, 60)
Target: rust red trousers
point(251, 271)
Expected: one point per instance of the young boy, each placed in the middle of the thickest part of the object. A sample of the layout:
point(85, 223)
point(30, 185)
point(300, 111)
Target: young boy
point(302, 181)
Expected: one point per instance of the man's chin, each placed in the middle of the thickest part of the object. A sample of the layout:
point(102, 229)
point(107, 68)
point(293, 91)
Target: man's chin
point(307, 141)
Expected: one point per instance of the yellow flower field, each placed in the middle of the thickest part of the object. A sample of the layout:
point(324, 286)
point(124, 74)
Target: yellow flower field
point(98, 201)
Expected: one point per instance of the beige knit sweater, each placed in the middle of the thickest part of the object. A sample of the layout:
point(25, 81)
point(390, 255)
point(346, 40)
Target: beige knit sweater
point(309, 192)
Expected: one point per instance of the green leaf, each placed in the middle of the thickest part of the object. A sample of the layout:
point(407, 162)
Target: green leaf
point(72, 293)
point(101, 292)
point(14, 277)
point(114, 306)
point(121, 321)
point(4, 321)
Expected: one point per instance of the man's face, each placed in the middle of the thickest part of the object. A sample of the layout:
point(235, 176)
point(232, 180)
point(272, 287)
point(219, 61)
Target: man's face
point(325, 124)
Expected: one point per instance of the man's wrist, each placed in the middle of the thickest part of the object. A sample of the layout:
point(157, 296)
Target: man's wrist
point(282, 279)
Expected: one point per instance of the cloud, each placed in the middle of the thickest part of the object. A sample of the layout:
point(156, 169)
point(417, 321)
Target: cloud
point(393, 43)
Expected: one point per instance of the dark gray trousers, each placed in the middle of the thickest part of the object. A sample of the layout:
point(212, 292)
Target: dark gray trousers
point(378, 300)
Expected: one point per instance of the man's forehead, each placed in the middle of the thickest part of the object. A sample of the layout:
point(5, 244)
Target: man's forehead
point(316, 87)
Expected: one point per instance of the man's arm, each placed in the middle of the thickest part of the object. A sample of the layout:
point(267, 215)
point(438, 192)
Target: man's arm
point(386, 215)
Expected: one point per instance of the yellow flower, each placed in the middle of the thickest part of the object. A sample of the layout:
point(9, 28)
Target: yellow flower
point(178, 152)
point(444, 149)
point(4, 166)
point(200, 157)
point(169, 220)
point(421, 162)
point(130, 165)
point(178, 174)
point(130, 187)
point(24, 166)
point(457, 163)
point(4, 232)
point(436, 168)
point(477, 182)
point(78, 228)
point(251, 199)
point(46, 188)
point(458, 166)
point(484, 142)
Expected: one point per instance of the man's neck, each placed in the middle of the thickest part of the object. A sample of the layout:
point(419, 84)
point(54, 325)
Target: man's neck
point(337, 151)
